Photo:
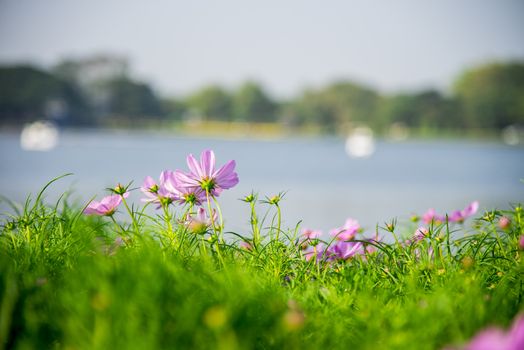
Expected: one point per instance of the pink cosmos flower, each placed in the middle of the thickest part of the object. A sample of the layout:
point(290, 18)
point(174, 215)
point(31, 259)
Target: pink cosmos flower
point(420, 234)
point(309, 237)
point(246, 245)
point(431, 216)
point(370, 248)
point(106, 207)
point(200, 222)
point(181, 193)
point(504, 222)
point(309, 234)
point(316, 252)
point(345, 250)
point(203, 174)
point(157, 193)
point(489, 339)
point(494, 338)
point(521, 242)
point(346, 232)
point(461, 215)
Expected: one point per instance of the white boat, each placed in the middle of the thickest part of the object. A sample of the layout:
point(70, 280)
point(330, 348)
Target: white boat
point(360, 143)
point(39, 136)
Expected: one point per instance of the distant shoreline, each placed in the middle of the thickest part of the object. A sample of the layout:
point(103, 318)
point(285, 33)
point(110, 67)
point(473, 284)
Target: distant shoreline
point(277, 131)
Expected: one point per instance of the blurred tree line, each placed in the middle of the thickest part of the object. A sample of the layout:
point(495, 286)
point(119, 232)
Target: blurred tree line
point(99, 91)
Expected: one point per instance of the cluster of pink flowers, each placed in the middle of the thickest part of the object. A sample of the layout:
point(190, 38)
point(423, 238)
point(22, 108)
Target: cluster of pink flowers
point(431, 217)
point(459, 216)
point(342, 247)
point(194, 187)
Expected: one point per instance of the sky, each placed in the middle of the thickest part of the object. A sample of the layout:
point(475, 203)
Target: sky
point(286, 45)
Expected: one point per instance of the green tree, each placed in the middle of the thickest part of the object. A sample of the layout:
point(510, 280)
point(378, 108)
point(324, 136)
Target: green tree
point(27, 92)
point(174, 108)
point(426, 109)
point(492, 95)
point(252, 103)
point(312, 108)
point(334, 106)
point(131, 99)
point(212, 103)
point(352, 102)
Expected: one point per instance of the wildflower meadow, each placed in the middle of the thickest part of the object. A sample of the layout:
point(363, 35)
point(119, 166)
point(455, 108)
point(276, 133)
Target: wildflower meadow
point(154, 266)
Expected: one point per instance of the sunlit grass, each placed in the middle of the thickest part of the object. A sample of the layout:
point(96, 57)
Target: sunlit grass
point(79, 282)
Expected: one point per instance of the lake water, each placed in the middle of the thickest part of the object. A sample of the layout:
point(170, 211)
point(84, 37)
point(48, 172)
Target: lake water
point(324, 186)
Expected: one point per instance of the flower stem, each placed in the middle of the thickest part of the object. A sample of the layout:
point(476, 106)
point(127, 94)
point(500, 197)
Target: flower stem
point(217, 243)
point(279, 220)
point(133, 219)
point(220, 219)
point(254, 225)
point(116, 224)
point(167, 219)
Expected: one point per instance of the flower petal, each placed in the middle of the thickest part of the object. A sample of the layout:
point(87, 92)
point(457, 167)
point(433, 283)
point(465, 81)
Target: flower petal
point(182, 180)
point(92, 208)
point(194, 166)
point(148, 184)
point(489, 339)
point(516, 334)
point(165, 175)
point(226, 177)
point(207, 161)
point(110, 203)
point(471, 209)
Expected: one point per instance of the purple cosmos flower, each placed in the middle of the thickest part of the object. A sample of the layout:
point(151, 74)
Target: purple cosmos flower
point(345, 250)
point(203, 174)
point(181, 193)
point(346, 232)
point(106, 207)
point(370, 248)
point(246, 245)
point(200, 222)
point(157, 193)
point(461, 215)
point(420, 234)
point(316, 252)
point(431, 216)
point(308, 233)
point(494, 338)
point(516, 333)
point(521, 242)
point(309, 237)
point(504, 222)
point(471, 209)
point(489, 339)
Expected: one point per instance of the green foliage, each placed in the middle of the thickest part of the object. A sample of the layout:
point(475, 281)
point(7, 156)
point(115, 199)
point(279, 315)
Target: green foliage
point(176, 109)
point(25, 92)
point(488, 96)
point(251, 103)
point(492, 96)
point(340, 104)
point(427, 109)
point(132, 99)
point(211, 103)
point(72, 281)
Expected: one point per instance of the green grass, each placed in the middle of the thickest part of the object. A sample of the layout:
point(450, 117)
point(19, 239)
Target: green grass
point(68, 282)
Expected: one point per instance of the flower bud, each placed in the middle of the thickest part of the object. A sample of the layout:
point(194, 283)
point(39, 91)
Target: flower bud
point(504, 222)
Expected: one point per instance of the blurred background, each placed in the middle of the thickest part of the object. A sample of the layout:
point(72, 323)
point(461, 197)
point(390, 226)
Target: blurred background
point(366, 109)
